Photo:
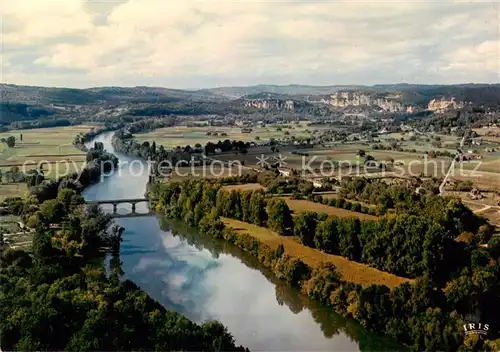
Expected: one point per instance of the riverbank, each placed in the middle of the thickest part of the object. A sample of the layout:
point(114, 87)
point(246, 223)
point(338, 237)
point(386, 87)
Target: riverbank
point(350, 271)
point(400, 312)
point(330, 323)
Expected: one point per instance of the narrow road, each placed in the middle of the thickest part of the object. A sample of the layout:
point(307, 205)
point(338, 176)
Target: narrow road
point(450, 170)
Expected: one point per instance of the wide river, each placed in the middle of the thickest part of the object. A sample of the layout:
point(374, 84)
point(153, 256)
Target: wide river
point(206, 279)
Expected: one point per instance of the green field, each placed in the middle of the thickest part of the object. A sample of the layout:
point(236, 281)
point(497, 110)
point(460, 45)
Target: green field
point(172, 137)
point(51, 147)
point(55, 141)
point(421, 144)
point(12, 190)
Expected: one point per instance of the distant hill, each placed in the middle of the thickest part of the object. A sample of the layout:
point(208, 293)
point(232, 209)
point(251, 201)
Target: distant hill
point(477, 95)
point(112, 95)
point(487, 94)
point(45, 105)
point(12, 112)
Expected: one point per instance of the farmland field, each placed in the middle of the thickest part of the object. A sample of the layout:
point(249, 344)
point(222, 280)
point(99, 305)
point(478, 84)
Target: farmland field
point(422, 143)
point(492, 214)
point(299, 206)
point(350, 271)
point(13, 235)
point(171, 137)
point(50, 146)
point(244, 187)
point(12, 190)
point(43, 141)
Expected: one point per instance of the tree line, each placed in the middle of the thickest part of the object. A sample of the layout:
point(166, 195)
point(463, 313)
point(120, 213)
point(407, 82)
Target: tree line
point(124, 143)
point(453, 278)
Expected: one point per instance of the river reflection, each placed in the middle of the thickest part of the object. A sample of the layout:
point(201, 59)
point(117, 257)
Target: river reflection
point(207, 279)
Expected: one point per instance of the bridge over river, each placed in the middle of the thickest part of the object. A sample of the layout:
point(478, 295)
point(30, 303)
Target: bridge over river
point(115, 202)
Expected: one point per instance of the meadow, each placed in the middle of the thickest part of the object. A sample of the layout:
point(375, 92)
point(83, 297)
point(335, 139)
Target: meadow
point(43, 142)
point(48, 148)
point(349, 270)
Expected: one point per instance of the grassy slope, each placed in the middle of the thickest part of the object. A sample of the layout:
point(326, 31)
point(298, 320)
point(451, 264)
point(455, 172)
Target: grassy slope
point(350, 271)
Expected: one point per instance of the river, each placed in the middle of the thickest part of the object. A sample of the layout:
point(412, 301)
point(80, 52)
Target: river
point(207, 279)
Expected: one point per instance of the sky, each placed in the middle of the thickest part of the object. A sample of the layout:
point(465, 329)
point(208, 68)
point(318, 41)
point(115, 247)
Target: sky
point(212, 43)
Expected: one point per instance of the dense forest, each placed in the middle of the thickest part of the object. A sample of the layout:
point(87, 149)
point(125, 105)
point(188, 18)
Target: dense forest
point(454, 280)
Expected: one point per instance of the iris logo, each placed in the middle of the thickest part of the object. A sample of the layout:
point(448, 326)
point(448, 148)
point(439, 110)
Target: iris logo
point(476, 328)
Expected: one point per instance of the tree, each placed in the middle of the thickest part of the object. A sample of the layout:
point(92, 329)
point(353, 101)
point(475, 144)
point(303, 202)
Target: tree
point(42, 245)
point(11, 141)
point(325, 237)
point(34, 178)
point(99, 146)
point(304, 226)
point(52, 211)
point(258, 214)
point(69, 198)
point(279, 216)
point(369, 158)
point(494, 246)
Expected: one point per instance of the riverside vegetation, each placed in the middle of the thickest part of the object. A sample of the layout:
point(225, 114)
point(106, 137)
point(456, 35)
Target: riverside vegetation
point(452, 279)
point(60, 297)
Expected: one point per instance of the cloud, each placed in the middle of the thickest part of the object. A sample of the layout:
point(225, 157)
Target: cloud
point(195, 43)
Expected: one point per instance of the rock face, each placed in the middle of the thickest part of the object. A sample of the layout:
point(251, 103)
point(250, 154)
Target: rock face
point(268, 104)
point(441, 105)
point(389, 102)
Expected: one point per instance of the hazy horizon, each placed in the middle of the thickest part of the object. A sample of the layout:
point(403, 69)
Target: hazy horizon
point(260, 85)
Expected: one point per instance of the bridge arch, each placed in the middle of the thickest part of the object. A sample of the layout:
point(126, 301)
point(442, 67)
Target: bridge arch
point(115, 202)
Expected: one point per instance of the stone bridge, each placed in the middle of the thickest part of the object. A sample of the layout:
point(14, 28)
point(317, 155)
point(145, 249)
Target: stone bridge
point(116, 202)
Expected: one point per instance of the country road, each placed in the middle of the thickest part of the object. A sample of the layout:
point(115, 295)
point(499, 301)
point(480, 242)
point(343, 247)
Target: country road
point(450, 170)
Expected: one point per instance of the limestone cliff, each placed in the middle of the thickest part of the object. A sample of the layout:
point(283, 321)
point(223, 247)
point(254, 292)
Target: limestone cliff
point(274, 104)
point(443, 104)
point(389, 102)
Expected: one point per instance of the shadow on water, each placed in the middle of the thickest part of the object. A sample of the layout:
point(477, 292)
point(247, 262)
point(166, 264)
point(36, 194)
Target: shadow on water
point(331, 324)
